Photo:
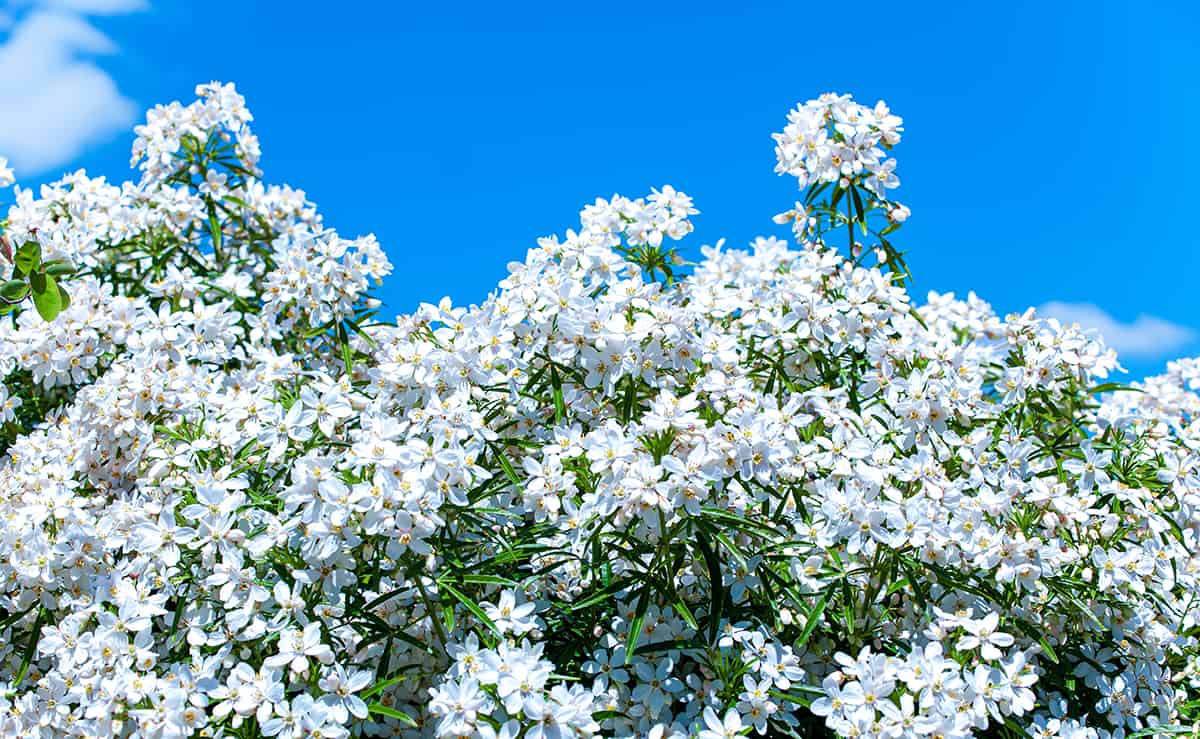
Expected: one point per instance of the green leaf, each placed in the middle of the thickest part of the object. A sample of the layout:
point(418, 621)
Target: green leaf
point(47, 299)
point(1109, 387)
point(858, 206)
point(356, 328)
point(12, 618)
point(1162, 730)
point(34, 635)
point(506, 465)
point(669, 645)
point(487, 580)
point(383, 685)
point(383, 598)
point(600, 596)
point(740, 523)
point(731, 547)
point(686, 613)
point(309, 333)
point(630, 401)
point(382, 710)
point(14, 291)
point(28, 258)
point(58, 268)
point(347, 353)
point(814, 616)
point(471, 606)
point(214, 227)
point(797, 699)
point(605, 715)
point(1048, 650)
point(560, 408)
point(813, 192)
point(716, 584)
point(635, 626)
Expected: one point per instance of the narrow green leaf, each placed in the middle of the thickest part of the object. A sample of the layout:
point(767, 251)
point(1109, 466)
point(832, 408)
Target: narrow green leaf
point(630, 399)
point(716, 584)
point(635, 626)
point(814, 616)
point(686, 613)
point(838, 192)
point(506, 465)
point(487, 580)
point(600, 596)
point(383, 685)
point(214, 227)
point(859, 214)
point(1162, 730)
point(381, 710)
point(1049, 650)
point(1109, 387)
point(560, 408)
point(27, 658)
point(471, 606)
point(797, 699)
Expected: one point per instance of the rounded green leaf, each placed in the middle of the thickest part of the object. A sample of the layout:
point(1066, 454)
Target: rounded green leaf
point(47, 300)
point(59, 268)
point(29, 257)
point(14, 291)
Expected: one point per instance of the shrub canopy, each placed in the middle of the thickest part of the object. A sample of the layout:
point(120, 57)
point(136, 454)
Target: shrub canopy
point(625, 495)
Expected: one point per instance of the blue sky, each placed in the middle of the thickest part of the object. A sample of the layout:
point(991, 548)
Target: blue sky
point(1049, 155)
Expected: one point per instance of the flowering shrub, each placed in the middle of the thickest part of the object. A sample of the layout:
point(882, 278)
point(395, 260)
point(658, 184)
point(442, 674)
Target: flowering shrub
point(766, 495)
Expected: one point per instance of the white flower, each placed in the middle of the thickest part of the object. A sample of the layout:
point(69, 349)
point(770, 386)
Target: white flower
point(340, 687)
point(296, 646)
point(982, 634)
point(508, 616)
point(718, 728)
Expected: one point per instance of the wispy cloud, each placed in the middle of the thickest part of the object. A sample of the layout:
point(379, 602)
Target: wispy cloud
point(1146, 337)
point(98, 7)
point(54, 100)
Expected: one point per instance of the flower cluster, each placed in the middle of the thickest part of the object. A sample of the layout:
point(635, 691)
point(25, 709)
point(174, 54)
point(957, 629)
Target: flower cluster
point(835, 140)
point(833, 145)
point(773, 496)
point(219, 119)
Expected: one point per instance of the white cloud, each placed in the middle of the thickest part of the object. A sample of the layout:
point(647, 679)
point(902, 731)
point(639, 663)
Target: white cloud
point(54, 101)
point(1146, 337)
point(98, 7)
